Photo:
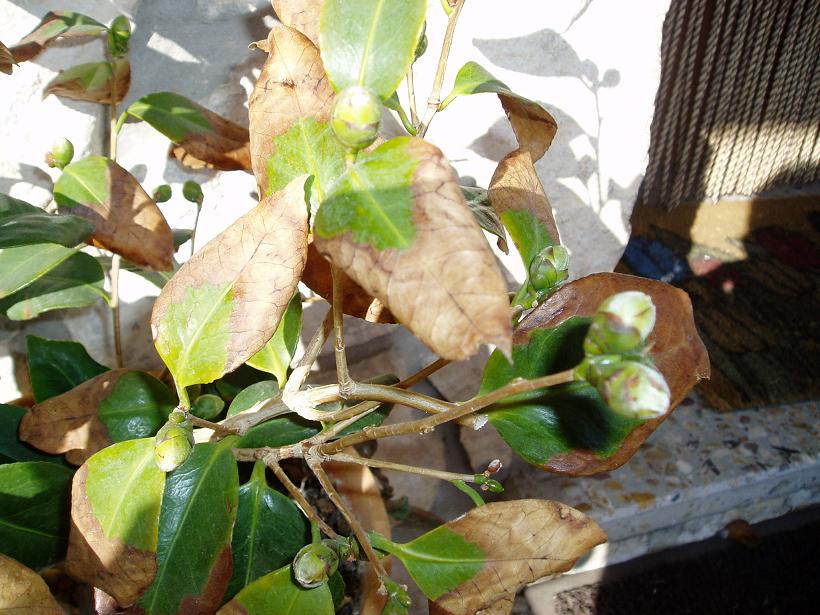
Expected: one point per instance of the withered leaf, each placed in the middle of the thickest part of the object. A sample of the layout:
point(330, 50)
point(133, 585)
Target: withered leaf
point(674, 344)
point(533, 125)
point(55, 24)
point(6, 59)
point(70, 423)
point(126, 220)
point(225, 303)
point(23, 591)
point(446, 286)
point(292, 85)
point(513, 543)
point(92, 82)
point(301, 15)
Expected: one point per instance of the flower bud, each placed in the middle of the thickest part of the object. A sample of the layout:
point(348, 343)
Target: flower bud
point(621, 324)
point(635, 390)
point(355, 117)
point(61, 154)
point(314, 564)
point(119, 36)
point(208, 406)
point(174, 442)
point(549, 268)
point(162, 193)
point(192, 192)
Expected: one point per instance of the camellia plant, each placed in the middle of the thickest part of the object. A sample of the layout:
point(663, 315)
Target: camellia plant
point(179, 492)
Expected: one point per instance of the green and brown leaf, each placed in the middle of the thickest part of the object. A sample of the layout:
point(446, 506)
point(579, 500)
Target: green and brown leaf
point(55, 25)
point(98, 82)
point(6, 59)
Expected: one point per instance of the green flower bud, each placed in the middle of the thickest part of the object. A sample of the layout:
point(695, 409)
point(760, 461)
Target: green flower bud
point(208, 406)
point(621, 324)
point(192, 192)
point(119, 36)
point(355, 117)
point(549, 268)
point(488, 484)
point(635, 390)
point(162, 193)
point(174, 442)
point(421, 47)
point(314, 564)
point(61, 154)
point(398, 600)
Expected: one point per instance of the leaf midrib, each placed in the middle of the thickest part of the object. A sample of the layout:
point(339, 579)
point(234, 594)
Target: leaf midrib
point(371, 34)
point(73, 174)
point(29, 530)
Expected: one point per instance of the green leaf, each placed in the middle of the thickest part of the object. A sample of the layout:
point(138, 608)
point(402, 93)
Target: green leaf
point(195, 524)
point(233, 383)
point(22, 265)
point(479, 203)
point(56, 366)
point(77, 282)
point(438, 561)
point(370, 42)
point(34, 512)
point(528, 232)
point(55, 24)
point(208, 406)
point(92, 81)
point(472, 78)
point(11, 448)
point(252, 395)
point(278, 588)
point(559, 420)
point(276, 355)
point(173, 115)
point(22, 224)
point(269, 531)
point(137, 407)
point(373, 200)
point(116, 499)
point(392, 102)
point(308, 147)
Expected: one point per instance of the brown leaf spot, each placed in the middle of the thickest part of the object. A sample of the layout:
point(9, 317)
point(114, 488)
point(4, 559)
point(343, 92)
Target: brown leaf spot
point(226, 147)
point(69, 423)
point(211, 596)
point(120, 570)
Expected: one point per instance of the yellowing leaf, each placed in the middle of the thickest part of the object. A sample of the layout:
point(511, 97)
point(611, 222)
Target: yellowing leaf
point(445, 286)
point(126, 220)
point(23, 591)
point(291, 86)
point(301, 15)
point(225, 303)
point(92, 82)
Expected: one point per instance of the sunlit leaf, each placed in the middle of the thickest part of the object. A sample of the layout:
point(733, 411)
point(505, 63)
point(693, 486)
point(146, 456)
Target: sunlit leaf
point(276, 355)
point(201, 137)
point(55, 24)
point(77, 282)
point(22, 265)
point(444, 285)
point(194, 566)
point(115, 505)
point(370, 42)
point(92, 82)
point(117, 405)
point(301, 15)
point(269, 530)
point(225, 303)
point(278, 588)
point(22, 224)
point(24, 591)
point(489, 553)
point(34, 512)
point(126, 220)
point(57, 366)
point(569, 429)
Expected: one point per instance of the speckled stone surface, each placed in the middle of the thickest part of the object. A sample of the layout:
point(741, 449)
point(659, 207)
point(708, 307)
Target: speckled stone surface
point(698, 472)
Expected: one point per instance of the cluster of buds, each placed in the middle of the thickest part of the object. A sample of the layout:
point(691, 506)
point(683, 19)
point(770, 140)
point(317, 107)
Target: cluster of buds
point(548, 270)
point(615, 362)
point(174, 442)
point(486, 483)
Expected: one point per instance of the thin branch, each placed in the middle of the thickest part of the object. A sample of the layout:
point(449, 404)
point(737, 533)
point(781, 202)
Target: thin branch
point(316, 467)
point(115, 307)
point(400, 467)
point(411, 95)
point(343, 375)
point(434, 101)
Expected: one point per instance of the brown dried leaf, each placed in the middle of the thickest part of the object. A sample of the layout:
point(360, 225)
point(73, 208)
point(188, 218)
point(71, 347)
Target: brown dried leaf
point(301, 15)
point(126, 220)
point(122, 570)
point(533, 125)
point(675, 346)
point(292, 85)
point(69, 423)
point(523, 541)
point(23, 592)
point(54, 25)
point(226, 148)
point(6, 59)
point(92, 82)
point(254, 266)
point(446, 287)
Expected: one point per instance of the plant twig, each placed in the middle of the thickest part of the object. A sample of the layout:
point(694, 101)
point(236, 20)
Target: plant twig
point(115, 307)
point(400, 467)
point(411, 95)
point(298, 496)
point(315, 466)
point(455, 411)
point(434, 101)
point(342, 373)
